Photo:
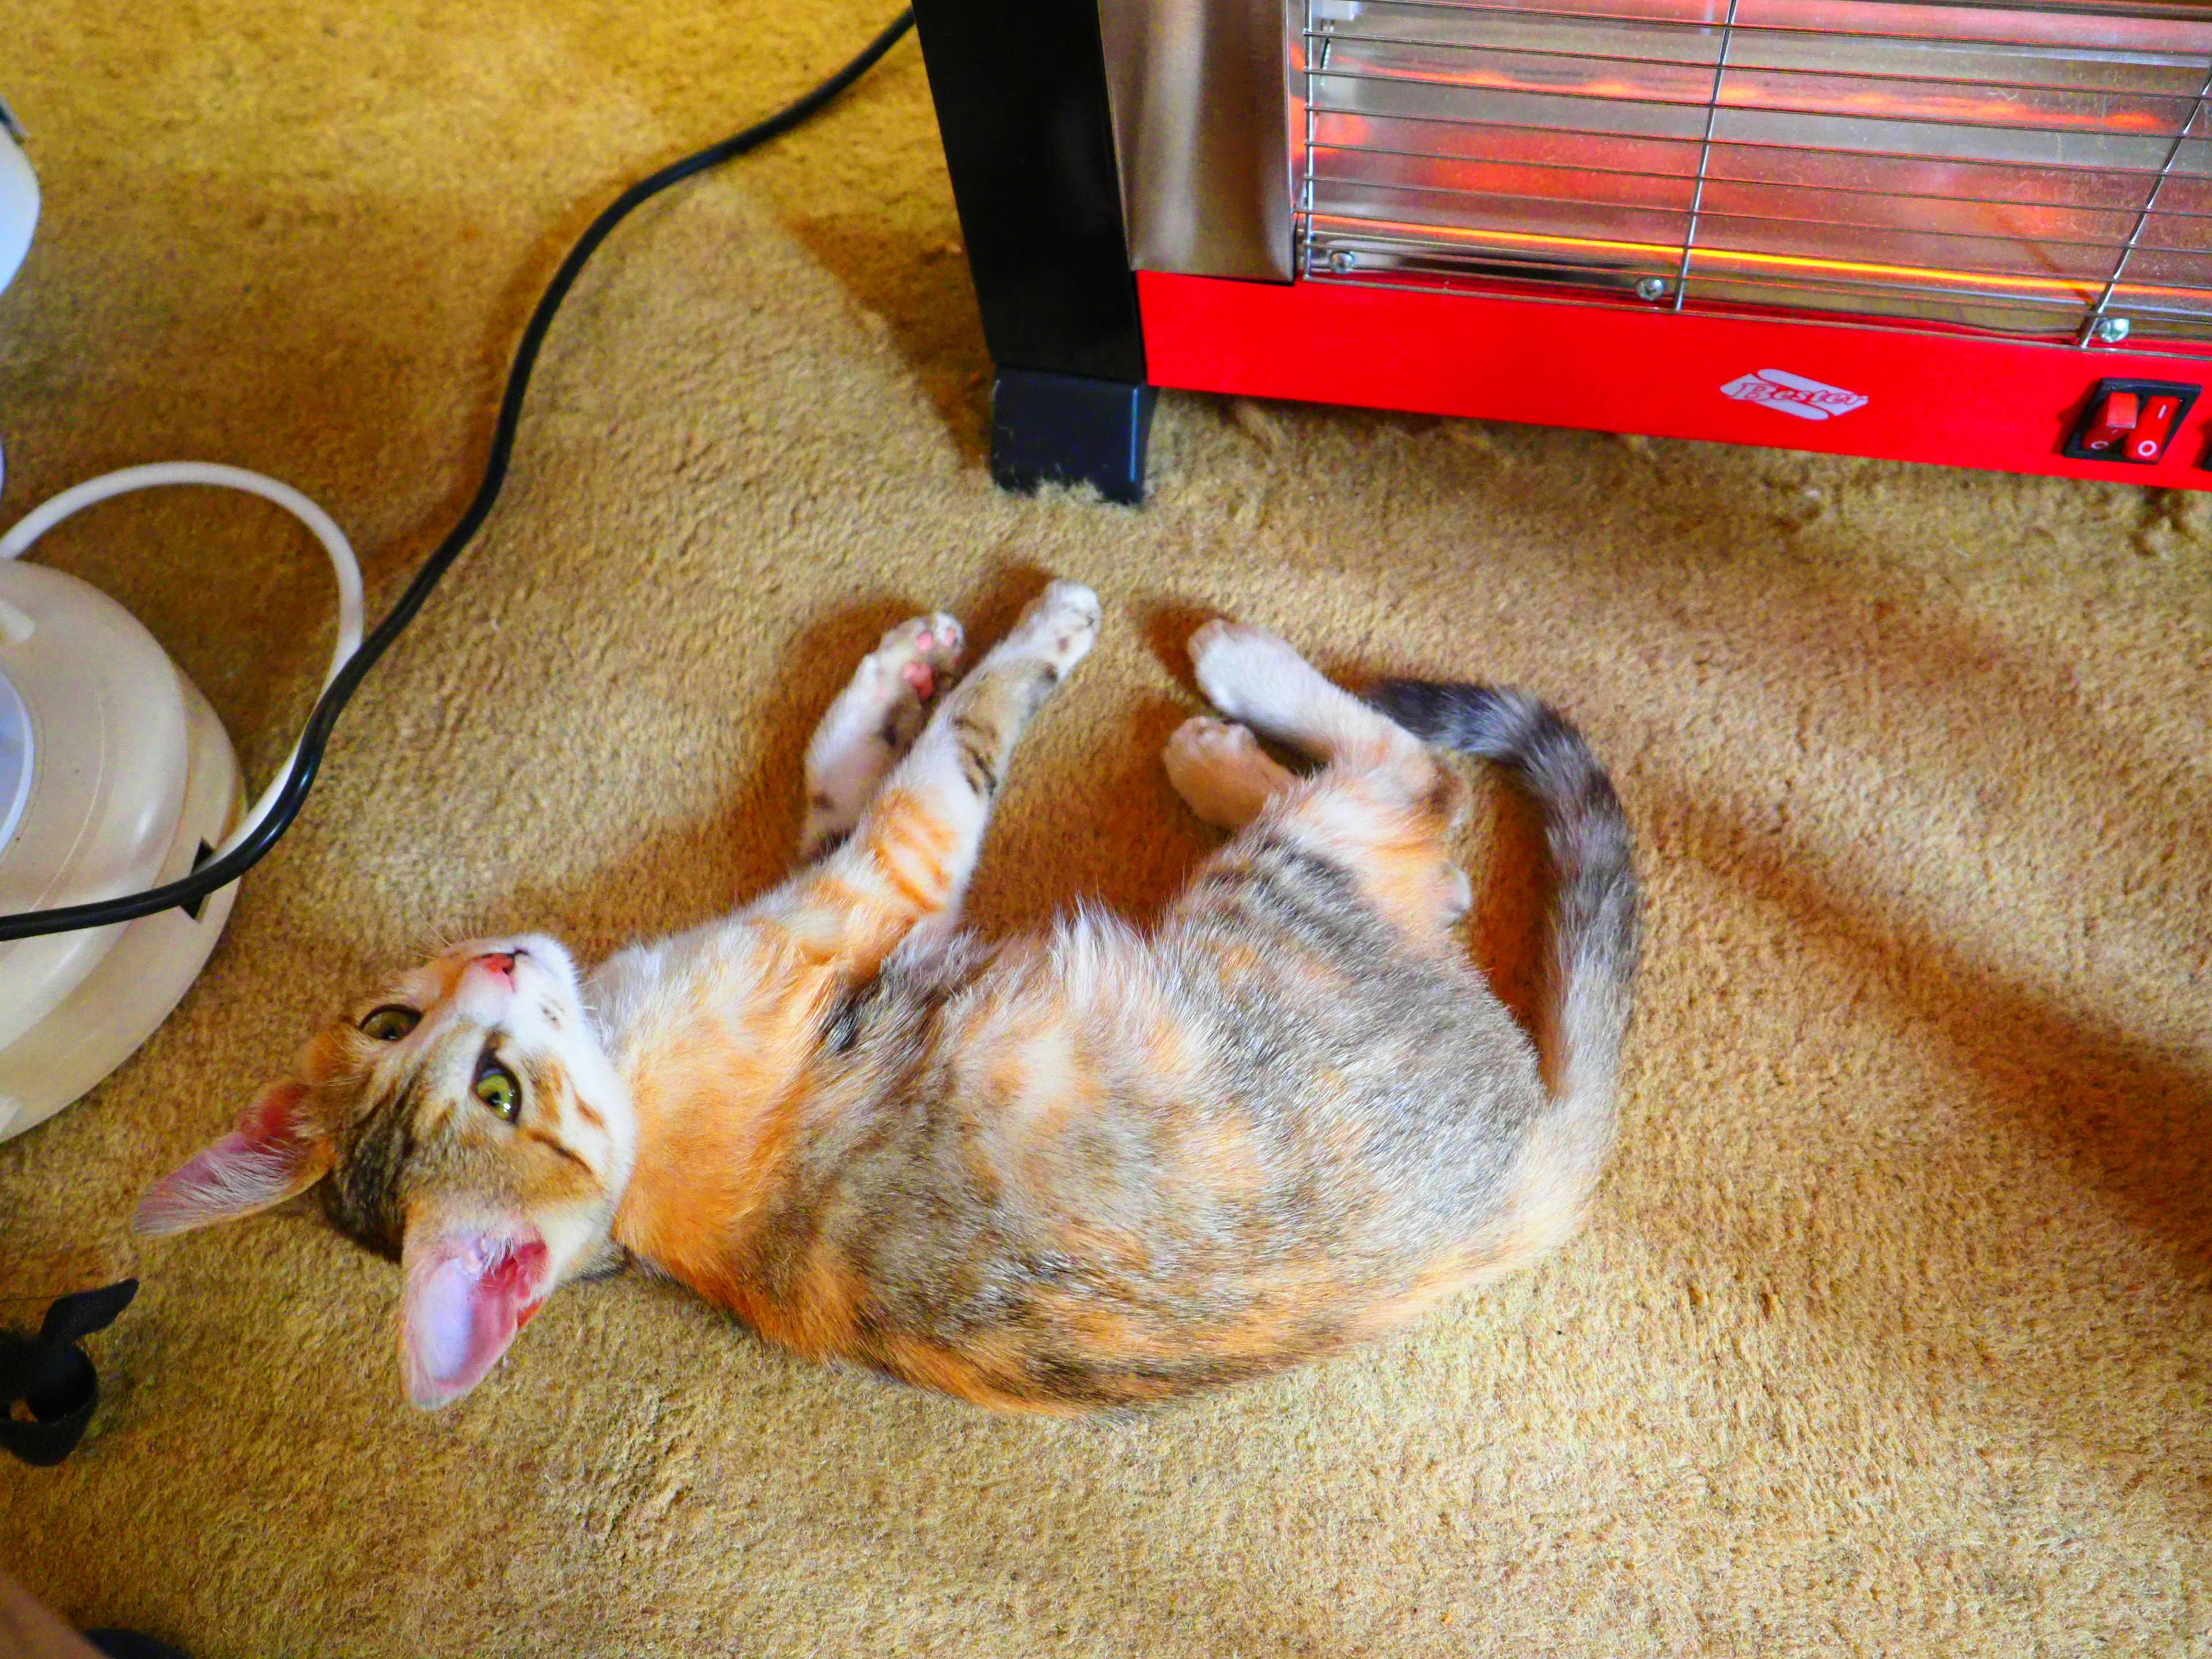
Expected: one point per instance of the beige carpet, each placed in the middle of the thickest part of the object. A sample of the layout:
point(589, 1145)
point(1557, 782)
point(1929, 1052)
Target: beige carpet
point(1891, 1335)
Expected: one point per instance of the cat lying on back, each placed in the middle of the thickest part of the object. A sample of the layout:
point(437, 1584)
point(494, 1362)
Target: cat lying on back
point(1091, 1169)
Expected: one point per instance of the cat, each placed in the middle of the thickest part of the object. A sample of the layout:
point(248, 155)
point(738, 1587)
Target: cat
point(1090, 1170)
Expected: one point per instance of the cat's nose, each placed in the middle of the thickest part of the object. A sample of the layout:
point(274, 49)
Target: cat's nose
point(500, 965)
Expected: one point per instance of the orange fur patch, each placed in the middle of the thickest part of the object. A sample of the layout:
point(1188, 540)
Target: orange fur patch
point(988, 1373)
point(820, 1318)
point(717, 1110)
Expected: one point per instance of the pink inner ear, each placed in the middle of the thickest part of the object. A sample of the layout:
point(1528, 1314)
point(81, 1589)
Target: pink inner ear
point(264, 1161)
point(467, 1295)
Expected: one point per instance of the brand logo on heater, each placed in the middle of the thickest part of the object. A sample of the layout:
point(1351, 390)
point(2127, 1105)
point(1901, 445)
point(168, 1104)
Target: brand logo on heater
point(1793, 394)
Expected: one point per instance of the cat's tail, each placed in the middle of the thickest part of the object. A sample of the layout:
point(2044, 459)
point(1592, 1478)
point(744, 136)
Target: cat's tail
point(1595, 921)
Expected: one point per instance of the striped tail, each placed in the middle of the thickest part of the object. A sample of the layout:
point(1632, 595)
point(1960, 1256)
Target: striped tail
point(1595, 913)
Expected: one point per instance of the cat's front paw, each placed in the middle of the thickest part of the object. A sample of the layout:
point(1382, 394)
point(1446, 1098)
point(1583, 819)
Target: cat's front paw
point(909, 667)
point(1060, 625)
point(923, 654)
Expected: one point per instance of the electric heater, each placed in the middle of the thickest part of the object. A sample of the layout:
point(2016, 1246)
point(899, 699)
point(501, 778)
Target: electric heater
point(1978, 234)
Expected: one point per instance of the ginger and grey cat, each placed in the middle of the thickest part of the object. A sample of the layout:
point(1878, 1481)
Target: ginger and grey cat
point(1092, 1169)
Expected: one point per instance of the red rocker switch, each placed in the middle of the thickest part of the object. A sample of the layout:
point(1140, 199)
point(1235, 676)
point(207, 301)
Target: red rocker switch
point(2112, 419)
point(2130, 421)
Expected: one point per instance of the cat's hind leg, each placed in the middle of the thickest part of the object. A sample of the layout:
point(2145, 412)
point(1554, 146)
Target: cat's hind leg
point(1382, 811)
point(872, 724)
point(1222, 772)
point(1258, 680)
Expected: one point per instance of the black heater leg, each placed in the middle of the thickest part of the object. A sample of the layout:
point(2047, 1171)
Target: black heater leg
point(1020, 89)
point(1069, 429)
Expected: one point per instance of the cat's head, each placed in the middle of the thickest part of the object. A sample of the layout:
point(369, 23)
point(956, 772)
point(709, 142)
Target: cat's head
point(463, 1121)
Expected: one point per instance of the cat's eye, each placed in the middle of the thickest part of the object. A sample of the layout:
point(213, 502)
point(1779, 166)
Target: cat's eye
point(390, 1023)
point(497, 1087)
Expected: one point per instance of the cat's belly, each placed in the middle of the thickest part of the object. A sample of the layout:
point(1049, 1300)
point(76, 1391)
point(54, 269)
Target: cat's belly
point(1069, 1207)
point(1095, 1174)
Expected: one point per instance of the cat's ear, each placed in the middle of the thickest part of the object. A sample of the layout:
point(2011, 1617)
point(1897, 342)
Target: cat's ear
point(469, 1290)
point(271, 1155)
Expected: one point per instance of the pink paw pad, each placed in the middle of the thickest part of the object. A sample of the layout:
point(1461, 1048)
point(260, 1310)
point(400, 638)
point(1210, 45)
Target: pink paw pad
point(920, 675)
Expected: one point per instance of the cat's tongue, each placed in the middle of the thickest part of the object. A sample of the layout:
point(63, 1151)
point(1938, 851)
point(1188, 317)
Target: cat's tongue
point(467, 1295)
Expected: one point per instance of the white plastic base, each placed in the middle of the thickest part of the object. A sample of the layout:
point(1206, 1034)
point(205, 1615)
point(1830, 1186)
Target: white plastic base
point(153, 963)
point(118, 774)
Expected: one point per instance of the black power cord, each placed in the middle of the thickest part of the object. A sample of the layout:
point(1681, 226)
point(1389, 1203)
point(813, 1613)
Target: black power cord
point(221, 872)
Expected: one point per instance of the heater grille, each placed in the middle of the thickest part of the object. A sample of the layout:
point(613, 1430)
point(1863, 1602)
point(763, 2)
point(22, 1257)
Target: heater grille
point(2037, 169)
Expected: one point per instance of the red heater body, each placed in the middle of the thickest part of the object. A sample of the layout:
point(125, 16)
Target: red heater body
point(1973, 234)
point(1792, 382)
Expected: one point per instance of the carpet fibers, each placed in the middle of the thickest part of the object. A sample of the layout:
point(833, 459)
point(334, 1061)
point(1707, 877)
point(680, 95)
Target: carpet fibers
point(1890, 1334)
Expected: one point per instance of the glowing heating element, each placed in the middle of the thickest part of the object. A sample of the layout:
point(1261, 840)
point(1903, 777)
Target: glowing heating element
point(2038, 172)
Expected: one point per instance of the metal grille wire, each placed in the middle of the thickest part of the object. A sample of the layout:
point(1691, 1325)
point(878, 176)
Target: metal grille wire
point(2039, 168)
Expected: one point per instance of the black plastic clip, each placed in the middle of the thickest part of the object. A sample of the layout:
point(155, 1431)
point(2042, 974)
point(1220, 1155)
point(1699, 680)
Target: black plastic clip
point(50, 1374)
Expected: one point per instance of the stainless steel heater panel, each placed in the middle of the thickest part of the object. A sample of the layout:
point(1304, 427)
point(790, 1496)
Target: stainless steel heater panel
point(1202, 129)
point(2025, 166)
